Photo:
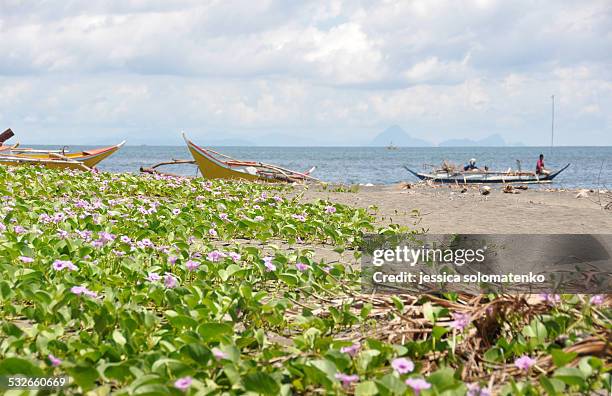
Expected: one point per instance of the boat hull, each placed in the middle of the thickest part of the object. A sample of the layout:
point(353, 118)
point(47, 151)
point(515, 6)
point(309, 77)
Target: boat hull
point(52, 164)
point(212, 166)
point(89, 158)
point(487, 177)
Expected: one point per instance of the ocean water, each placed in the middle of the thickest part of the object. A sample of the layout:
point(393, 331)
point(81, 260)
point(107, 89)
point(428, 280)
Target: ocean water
point(591, 167)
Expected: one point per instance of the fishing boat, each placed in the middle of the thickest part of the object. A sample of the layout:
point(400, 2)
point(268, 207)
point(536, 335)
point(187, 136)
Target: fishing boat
point(214, 165)
point(486, 177)
point(88, 158)
point(58, 163)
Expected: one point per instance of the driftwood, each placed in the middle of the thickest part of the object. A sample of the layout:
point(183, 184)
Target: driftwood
point(153, 169)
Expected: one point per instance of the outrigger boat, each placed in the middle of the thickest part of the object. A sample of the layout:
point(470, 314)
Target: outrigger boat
point(14, 155)
point(485, 177)
point(214, 165)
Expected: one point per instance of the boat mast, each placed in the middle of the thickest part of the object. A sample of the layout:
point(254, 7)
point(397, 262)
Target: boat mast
point(552, 126)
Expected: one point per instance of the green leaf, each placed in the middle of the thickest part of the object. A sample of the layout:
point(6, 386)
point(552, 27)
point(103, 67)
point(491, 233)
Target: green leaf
point(561, 358)
point(367, 388)
point(84, 376)
point(14, 365)
point(119, 338)
point(214, 331)
point(261, 383)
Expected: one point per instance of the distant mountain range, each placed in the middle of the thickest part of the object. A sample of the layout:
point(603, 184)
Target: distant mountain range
point(398, 137)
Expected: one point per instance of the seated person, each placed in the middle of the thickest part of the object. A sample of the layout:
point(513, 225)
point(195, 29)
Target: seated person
point(471, 165)
point(540, 169)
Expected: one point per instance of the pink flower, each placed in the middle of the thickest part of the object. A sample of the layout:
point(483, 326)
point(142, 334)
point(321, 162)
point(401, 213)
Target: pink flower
point(417, 384)
point(212, 232)
point(192, 265)
point(153, 277)
point(475, 390)
point(301, 218)
point(597, 299)
point(26, 259)
point(550, 298)
point(269, 265)
point(524, 362)
point(183, 383)
point(170, 281)
point(125, 239)
point(54, 361)
point(19, 229)
point(172, 260)
point(82, 290)
point(330, 209)
point(461, 321)
point(234, 256)
point(218, 354)
point(215, 256)
point(351, 350)
point(402, 365)
point(346, 379)
point(59, 265)
point(301, 266)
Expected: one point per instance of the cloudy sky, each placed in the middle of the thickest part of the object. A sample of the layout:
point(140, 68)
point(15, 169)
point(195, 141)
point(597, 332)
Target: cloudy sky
point(326, 73)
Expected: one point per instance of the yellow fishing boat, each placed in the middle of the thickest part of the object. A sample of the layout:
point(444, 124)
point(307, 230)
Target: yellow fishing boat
point(214, 165)
point(11, 160)
point(89, 158)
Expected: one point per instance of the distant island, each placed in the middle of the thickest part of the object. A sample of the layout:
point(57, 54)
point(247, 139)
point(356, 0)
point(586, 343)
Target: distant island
point(398, 137)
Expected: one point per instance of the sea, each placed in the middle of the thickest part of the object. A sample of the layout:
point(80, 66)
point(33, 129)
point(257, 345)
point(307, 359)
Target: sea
point(591, 167)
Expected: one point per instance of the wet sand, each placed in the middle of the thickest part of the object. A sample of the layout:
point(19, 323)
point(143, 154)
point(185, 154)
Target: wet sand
point(446, 209)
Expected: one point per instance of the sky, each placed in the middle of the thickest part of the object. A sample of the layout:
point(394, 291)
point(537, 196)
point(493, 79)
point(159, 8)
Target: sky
point(305, 72)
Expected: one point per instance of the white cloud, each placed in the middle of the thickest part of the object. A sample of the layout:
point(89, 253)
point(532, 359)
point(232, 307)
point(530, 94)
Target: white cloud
point(461, 69)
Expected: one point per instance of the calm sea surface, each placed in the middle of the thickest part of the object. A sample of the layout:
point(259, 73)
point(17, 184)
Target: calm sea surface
point(591, 166)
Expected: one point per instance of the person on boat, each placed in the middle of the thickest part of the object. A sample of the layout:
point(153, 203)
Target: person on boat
point(540, 168)
point(471, 165)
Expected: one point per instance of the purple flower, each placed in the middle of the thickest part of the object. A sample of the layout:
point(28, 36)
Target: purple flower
point(597, 299)
point(19, 229)
point(59, 265)
point(105, 237)
point(82, 290)
point(172, 260)
point(153, 277)
point(212, 232)
point(215, 256)
point(170, 281)
point(351, 350)
point(183, 383)
point(269, 265)
point(62, 234)
point(54, 360)
point(176, 211)
point(301, 266)
point(192, 265)
point(258, 218)
point(550, 298)
point(475, 390)
point(330, 209)
point(224, 216)
point(234, 256)
point(26, 259)
point(346, 379)
point(2, 227)
point(461, 321)
point(125, 239)
point(524, 362)
point(402, 365)
point(301, 218)
point(417, 384)
point(218, 354)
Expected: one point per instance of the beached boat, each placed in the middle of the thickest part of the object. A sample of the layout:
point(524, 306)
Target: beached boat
point(12, 160)
point(89, 158)
point(214, 165)
point(485, 177)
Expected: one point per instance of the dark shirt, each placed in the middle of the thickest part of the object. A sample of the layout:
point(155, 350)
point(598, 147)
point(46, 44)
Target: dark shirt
point(469, 167)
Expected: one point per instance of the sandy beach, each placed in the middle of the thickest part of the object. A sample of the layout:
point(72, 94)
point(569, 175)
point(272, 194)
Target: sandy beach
point(455, 209)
